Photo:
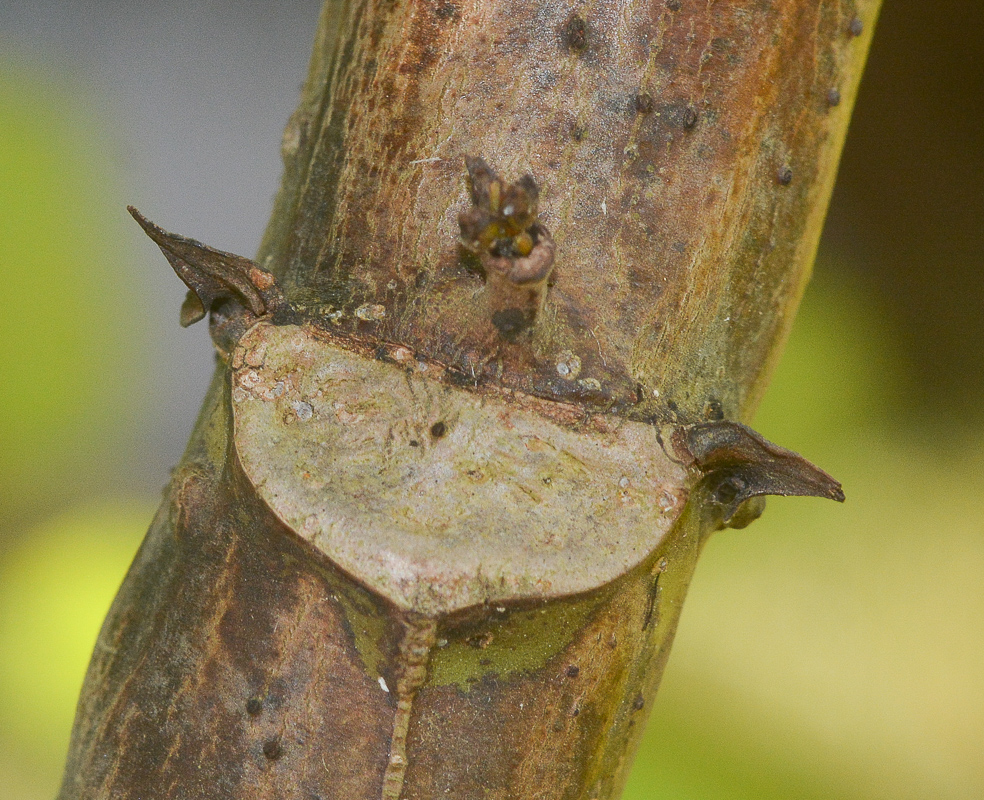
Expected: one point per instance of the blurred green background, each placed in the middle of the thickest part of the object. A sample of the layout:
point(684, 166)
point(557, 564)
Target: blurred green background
point(826, 652)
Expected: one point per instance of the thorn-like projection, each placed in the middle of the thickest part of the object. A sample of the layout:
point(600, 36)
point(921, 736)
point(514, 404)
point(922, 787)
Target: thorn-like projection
point(516, 251)
point(741, 464)
point(212, 275)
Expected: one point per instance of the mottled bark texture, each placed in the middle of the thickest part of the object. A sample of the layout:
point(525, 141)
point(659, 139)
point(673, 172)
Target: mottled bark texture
point(479, 401)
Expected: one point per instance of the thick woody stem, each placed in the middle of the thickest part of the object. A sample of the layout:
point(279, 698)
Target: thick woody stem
point(426, 540)
point(684, 154)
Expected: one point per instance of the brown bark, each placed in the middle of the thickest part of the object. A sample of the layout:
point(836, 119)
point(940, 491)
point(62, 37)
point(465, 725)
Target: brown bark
point(685, 152)
point(434, 529)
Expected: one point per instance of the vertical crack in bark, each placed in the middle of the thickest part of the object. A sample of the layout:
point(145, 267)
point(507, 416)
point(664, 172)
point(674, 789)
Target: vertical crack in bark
point(414, 655)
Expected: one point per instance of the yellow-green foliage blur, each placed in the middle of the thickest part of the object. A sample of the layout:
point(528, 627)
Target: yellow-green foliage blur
point(826, 652)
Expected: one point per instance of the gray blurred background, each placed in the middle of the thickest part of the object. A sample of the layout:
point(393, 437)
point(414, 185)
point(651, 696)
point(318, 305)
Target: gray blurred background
point(197, 95)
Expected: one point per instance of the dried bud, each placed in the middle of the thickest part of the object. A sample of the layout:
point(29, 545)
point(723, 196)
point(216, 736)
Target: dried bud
point(515, 250)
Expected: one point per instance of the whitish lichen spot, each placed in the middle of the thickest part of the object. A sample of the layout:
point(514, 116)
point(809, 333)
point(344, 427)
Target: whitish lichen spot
point(370, 312)
point(303, 410)
point(568, 366)
point(249, 379)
